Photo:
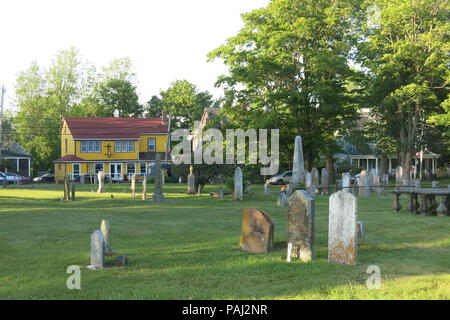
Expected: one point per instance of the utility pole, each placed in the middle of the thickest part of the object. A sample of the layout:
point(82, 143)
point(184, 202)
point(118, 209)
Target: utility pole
point(168, 137)
point(1, 118)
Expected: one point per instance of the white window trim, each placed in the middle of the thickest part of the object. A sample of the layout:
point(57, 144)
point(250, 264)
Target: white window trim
point(148, 144)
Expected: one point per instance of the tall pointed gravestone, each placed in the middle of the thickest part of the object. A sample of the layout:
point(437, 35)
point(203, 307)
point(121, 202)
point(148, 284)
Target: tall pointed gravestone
point(238, 193)
point(301, 234)
point(106, 232)
point(298, 169)
point(342, 228)
point(191, 181)
point(158, 195)
point(257, 231)
point(314, 177)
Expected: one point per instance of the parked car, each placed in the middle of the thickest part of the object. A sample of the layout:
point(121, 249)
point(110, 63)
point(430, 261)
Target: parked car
point(48, 177)
point(282, 178)
point(2, 178)
point(14, 178)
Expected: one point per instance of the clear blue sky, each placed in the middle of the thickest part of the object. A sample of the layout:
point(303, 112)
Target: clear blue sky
point(166, 40)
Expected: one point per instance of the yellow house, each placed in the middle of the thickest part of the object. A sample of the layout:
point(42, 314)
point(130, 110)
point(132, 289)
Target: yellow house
point(120, 147)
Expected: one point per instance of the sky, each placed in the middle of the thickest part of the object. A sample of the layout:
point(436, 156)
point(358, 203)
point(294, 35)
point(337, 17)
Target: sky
point(166, 39)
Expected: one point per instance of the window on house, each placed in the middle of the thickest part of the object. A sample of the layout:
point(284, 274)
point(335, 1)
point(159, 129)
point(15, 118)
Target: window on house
point(124, 146)
point(131, 169)
point(151, 144)
point(90, 146)
point(98, 167)
point(143, 167)
point(76, 169)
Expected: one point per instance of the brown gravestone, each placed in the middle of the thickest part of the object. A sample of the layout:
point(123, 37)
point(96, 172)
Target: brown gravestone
point(257, 231)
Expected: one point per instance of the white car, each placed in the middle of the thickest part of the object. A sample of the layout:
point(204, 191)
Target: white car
point(283, 178)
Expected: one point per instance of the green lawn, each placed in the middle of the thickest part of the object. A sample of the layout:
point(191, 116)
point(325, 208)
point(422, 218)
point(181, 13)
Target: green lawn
point(187, 248)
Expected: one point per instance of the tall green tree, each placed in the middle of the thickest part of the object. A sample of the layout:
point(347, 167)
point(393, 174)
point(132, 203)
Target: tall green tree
point(288, 69)
point(154, 107)
point(406, 55)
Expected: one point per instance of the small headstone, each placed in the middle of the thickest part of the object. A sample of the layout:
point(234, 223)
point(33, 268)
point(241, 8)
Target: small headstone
point(324, 180)
point(133, 185)
point(288, 190)
point(238, 194)
point(106, 232)
point(282, 200)
point(314, 177)
point(83, 179)
point(180, 181)
point(312, 191)
point(385, 180)
point(301, 234)
point(360, 230)
point(257, 231)
point(267, 188)
point(191, 181)
point(298, 169)
point(346, 181)
point(342, 228)
point(308, 177)
point(399, 175)
point(97, 250)
point(375, 184)
point(144, 188)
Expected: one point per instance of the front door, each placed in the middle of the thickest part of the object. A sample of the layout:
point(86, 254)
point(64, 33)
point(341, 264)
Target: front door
point(115, 170)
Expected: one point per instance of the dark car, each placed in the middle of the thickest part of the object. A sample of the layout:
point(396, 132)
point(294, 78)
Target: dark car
point(48, 177)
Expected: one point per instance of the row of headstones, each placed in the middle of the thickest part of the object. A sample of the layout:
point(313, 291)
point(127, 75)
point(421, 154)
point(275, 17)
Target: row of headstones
point(343, 230)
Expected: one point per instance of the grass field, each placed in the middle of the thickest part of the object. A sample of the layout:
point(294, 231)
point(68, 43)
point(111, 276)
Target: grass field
point(187, 248)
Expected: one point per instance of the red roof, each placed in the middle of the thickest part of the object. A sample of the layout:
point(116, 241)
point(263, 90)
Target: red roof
point(69, 158)
point(114, 128)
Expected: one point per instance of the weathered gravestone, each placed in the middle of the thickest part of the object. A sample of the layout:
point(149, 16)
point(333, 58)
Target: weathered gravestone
point(314, 177)
point(312, 191)
point(82, 179)
point(191, 181)
point(385, 180)
point(363, 184)
point(267, 188)
point(72, 191)
point(342, 229)
point(282, 200)
point(101, 182)
point(399, 175)
point(97, 250)
point(144, 188)
point(346, 181)
point(324, 181)
point(106, 232)
point(238, 193)
point(133, 185)
point(301, 234)
point(298, 168)
point(66, 187)
point(158, 195)
point(308, 179)
point(257, 231)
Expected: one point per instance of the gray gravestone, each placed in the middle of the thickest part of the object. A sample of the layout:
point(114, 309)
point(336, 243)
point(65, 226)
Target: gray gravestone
point(398, 175)
point(82, 179)
point(191, 181)
point(133, 185)
point(288, 190)
point(385, 180)
point(324, 180)
point(158, 195)
point(97, 250)
point(282, 200)
point(144, 188)
point(363, 184)
point(267, 188)
point(301, 234)
point(238, 184)
point(298, 169)
point(346, 181)
point(308, 179)
point(314, 177)
point(342, 228)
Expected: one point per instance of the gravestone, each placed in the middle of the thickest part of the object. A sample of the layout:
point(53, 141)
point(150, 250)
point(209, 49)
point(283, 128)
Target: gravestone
point(288, 190)
point(360, 232)
point(180, 181)
point(298, 169)
point(346, 181)
point(144, 188)
point(314, 177)
point(301, 234)
point(399, 175)
point(342, 228)
point(267, 188)
point(282, 200)
point(191, 181)
point(375, 184)
point(238, 184)
point(158, 195)
point(312, 191)
point(82, 179)
point(101, 182)
point(133, 185)
point(95, 178)
point(385, 180)
point(106, 232)
point(308, 179)
point(66, 188)
point(257, 231)
point(324, 180)
point(72, 191)
point(363, 184)
point(434, 184)
point(97, 250)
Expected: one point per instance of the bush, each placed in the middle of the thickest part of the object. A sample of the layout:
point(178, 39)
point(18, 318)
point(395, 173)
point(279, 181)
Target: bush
point(347, 166)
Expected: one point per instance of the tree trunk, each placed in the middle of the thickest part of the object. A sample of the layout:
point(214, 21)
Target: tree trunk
point(330, 169)
point(307, 157)
point(383, 164)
